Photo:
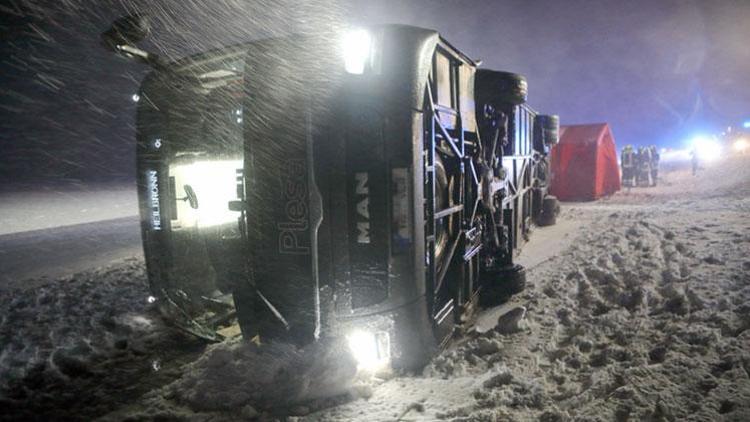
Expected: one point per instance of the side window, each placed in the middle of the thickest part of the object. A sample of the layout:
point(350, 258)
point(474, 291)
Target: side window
point(521, 148)
point(521, 132)
point(526, 126)
point(444, 72)
point(515, 133)
point(529, 132)
point(512, 135)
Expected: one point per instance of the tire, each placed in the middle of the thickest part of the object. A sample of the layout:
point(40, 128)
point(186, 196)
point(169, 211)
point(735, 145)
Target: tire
point(547, 127)
point(550, 210)
point(501, 87)
point(500, 284)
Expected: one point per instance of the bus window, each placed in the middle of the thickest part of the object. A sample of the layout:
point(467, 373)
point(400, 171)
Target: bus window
point(443, 80)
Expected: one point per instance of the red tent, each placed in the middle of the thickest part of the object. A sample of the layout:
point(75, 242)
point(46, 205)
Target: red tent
point(584, 163)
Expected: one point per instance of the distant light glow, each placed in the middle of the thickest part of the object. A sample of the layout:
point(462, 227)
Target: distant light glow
point(356, 46)
point(705, 148)
point(675, 155)
point(741, 145)
point(746, 125)
point(136, 97)
point(150, 299)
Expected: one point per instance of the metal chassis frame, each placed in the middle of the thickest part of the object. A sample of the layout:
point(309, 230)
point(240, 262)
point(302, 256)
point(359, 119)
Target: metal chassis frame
point(435, 131)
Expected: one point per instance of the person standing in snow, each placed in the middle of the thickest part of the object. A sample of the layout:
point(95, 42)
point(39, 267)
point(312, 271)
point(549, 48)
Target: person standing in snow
point(644, 167)
point(654, 164)
point(627, 158)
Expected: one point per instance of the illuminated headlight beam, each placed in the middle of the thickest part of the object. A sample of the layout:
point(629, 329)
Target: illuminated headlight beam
point(370, 350)
point(356, 46)
point(214, 183)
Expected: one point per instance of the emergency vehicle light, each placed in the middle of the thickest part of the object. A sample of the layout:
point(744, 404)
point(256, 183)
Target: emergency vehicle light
point(706, 148)
point(741, 145)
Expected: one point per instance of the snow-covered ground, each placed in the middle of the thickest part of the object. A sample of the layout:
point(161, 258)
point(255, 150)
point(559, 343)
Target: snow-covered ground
point(645, 316)
point(637, 308)
point(33, 258)
point(48, 232)
point(76, 347)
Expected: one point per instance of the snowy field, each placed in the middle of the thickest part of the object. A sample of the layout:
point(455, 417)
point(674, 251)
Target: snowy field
point(47, 232)
point(637, 308)
point(23, 209)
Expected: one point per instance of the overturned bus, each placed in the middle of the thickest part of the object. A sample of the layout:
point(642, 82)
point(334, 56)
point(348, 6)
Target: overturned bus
point(374, 188)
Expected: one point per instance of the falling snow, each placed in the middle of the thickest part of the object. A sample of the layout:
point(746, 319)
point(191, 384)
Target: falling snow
point(637, 305)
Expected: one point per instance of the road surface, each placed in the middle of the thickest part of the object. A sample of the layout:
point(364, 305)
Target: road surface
point(60, 251)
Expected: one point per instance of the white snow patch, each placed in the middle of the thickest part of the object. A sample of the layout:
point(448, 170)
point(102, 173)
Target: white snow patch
point(24, 210)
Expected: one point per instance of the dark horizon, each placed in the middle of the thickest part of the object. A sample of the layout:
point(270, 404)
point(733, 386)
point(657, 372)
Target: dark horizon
point(657, 72)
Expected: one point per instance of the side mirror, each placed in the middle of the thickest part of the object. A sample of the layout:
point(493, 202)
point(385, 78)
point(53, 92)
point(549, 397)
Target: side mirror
point(127, 30)
point(123, 36)
point(191, 197)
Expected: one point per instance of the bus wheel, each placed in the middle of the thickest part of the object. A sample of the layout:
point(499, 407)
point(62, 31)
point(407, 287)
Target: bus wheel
point(498, 285)
point(549, 128)
point(507, 88)
point(550, 209)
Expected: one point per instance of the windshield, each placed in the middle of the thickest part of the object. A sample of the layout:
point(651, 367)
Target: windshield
point(191, 131)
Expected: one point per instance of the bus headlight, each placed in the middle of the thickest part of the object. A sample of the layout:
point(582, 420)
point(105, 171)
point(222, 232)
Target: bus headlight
point(371, 350)
point(357, 50)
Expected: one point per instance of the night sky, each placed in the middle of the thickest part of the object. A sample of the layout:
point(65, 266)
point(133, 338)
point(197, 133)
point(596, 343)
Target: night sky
point(657, 71)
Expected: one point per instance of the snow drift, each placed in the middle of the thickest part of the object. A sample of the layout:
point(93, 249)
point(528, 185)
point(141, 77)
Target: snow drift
point(643, 314)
